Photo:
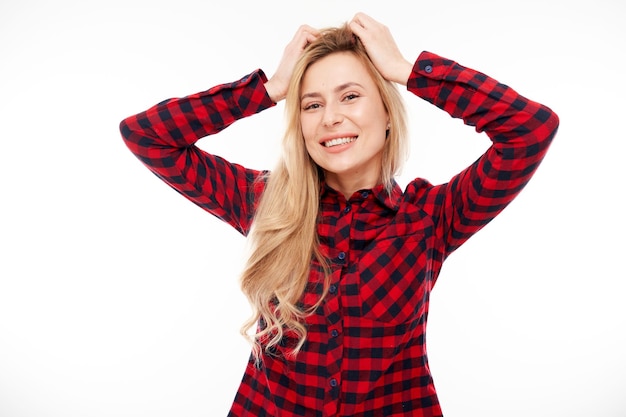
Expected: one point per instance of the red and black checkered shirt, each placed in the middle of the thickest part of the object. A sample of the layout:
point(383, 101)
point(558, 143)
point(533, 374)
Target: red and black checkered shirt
point(365, 352)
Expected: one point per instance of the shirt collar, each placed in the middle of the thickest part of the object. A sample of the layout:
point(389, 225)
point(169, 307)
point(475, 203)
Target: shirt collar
point(389, 200)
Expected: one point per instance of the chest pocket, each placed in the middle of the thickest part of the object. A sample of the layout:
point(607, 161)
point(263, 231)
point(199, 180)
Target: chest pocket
point(391, 282)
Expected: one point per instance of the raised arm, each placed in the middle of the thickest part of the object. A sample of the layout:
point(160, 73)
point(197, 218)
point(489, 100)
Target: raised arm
point(520, 129)
point(164, 136)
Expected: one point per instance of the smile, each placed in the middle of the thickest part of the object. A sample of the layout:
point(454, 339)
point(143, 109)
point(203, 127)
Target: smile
point(339, 141)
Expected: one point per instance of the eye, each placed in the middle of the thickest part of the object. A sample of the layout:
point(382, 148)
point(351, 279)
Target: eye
point(311, 106)
point(350, 96)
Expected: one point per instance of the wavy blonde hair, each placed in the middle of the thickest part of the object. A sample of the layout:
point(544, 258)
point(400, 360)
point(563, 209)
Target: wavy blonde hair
point(283, 238)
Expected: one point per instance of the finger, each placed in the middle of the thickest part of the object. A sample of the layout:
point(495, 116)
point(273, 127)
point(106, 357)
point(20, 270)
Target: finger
point(355, 21)
point(363, 20)
point(305, 35)
point(357, 28)
point(310, 37)
point(308, 31)
point(307, 28)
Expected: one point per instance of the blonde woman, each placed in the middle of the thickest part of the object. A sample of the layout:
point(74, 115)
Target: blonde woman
point(343, 260)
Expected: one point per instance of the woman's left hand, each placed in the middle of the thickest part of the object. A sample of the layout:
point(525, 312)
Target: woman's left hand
point(381, 48)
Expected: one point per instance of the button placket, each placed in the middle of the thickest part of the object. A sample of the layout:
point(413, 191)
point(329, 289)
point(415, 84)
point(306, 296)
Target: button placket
point(342, 239)
point(339, 251)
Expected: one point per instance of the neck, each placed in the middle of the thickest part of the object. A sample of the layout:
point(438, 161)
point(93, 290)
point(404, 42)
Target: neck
point(348, 185)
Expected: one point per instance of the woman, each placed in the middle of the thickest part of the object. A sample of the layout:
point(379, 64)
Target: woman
point(343, 260)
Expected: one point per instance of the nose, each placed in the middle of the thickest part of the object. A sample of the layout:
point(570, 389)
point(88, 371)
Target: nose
point(332, 116)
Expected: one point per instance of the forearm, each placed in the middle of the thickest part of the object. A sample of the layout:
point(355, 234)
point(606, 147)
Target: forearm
point(180, 122)
point(481, 101)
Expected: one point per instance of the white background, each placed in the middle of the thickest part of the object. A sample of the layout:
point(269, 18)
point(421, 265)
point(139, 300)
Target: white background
point(120, 298)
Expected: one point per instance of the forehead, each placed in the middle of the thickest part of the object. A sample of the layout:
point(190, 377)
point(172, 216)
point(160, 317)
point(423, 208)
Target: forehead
point(333, 70)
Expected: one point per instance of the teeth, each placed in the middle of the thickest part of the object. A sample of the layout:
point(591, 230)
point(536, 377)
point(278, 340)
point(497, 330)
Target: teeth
point(338, 141)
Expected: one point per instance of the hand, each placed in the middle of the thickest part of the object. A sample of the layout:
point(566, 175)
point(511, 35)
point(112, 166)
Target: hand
point(381, 48)
point(277, 85)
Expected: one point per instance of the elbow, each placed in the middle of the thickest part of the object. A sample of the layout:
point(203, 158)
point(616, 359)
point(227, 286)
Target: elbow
point(548, 125)
point(552, 123)
point(131, 135)
point(131, 132)
point(125, 130)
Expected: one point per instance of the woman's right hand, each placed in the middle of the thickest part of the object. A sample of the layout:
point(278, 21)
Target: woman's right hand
point(277, 85)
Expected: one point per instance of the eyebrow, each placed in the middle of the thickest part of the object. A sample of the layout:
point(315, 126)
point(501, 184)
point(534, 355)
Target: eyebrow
point(336, 89)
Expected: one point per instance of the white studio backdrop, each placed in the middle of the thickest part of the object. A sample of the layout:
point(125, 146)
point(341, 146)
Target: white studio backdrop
point(120, 298)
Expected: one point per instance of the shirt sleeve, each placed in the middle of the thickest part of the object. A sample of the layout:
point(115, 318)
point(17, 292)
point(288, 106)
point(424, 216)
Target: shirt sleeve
point(164, 136)
point(520, 130)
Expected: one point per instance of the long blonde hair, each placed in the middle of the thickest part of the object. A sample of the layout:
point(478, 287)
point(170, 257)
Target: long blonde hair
point(283, 238)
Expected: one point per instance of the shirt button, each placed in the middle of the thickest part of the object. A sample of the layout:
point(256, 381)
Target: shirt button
point(341, 256)
point(332, 289)
point(334, 333)
point(364, 194)
point(428, 69)
point(347, 209)
point(333, 382)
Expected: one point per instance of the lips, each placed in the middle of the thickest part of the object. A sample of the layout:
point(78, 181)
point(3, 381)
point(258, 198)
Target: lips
point(338, 141)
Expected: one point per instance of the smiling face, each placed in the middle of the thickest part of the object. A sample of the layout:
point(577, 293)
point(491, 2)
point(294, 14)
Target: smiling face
point(343, 121)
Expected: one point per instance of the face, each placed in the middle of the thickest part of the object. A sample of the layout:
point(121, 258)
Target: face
point(344, 121)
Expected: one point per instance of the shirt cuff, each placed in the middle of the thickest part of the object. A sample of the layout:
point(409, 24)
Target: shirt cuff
point(247, 95)
point(428, 72)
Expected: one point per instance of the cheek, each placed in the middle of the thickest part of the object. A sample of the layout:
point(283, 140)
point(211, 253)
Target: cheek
point(313, 148)
point(309, 149)
point(314, 151)
point(307, 126)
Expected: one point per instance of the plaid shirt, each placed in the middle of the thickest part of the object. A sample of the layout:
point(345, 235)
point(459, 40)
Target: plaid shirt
point(365, 352)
